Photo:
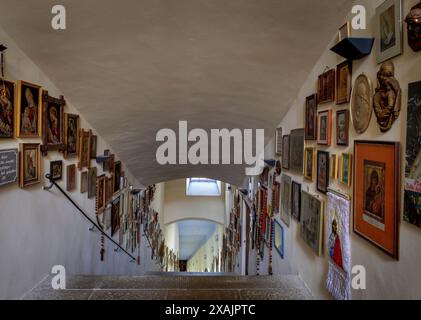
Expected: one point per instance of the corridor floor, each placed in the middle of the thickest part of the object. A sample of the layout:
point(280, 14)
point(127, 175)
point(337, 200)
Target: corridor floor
point(174, 287)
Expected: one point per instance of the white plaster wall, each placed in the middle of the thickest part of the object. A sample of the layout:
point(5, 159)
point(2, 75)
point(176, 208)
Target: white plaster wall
point(178, 206)
point(40, 229)
point(386, 278)
point(172, 237)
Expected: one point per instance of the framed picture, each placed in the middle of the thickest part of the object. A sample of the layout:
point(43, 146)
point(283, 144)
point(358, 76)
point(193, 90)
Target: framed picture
point(285, 152)
point(84, 182)
point(116, 177)
point(345, 175)
point(8, 166)
point(322, 171)
point(311, 225)
point(7, 109)
point(344, 31)
point(333, 166)
point(311, 118)
point(342, 127)
point(297, 150)
point(278, 142)
point(389, 33)
point(111, 163)
point(324, 128)
point(56, 170)
point(29, 111)
point(286, 182)
point(296, 200)
point(361, 105)
point(53, 124)
point(71, 135)
point(377, 193)
point(108, 186)
point(326, 87)
point(92, 176)
point(29, 164)
point(93, 151)
point(71, 177)
point(106, 163)
point(100, 194)
point(412, 211)
point(115, 216)
point(343, 82)
point(84, 148)
point(309, 163)
point(279, 238)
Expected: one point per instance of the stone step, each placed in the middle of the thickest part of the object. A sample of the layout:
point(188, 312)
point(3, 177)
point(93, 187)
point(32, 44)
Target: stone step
point(176, 287)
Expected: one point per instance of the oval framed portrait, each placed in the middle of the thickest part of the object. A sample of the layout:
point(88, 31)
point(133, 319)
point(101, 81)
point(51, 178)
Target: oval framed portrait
point(361, 103)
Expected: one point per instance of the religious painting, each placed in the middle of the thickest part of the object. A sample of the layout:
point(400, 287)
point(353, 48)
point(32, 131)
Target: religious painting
point(297, 150)
point(84, 182)
point(116, 177)
point(71, 135)
point(8, 166)
point(326, 87)
point(93, 151)
point(309, 163)
point(92, 176)
point(108, 187)
point(29, 111)
point(84, 148)
point(311, 224)
point(343, 82)
point(296, 201)
point(285, 152)
point(324, 129)
point(413, 155)
point(7, 109)
point(106, 163)
point(342, 128)
point(361, 105)
point(376, 194)
point(279, 239)
point(115, 216)
point(333, 166)
point(322, 171)
point(388, 21)
point(56, 170)
point(53, 124)
point(100, 194)
point(345, 175)
point(30, 164)
point(278, 142)
point(344, 31)
point(286, 183)
point(311, 118)
point(71, 177)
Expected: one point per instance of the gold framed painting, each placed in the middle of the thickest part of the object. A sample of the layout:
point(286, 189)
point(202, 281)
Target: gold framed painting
point(29, 111)
point(309, 163)
point(7, 109)
point(333, 167)
point(344, 31)
point(345, 175)
point(100, 194)
point(343, 82)
point(30, 164)
point(84, 148)
point(53, 124)
point(71, 134)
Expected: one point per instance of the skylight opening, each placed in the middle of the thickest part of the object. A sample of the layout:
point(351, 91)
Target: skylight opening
point(203, 187)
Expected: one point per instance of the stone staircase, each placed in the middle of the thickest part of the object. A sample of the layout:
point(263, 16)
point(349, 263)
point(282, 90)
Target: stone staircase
point(174, 286)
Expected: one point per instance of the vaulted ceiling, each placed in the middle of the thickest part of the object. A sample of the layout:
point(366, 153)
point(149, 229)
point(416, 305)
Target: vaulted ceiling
point(132, 67)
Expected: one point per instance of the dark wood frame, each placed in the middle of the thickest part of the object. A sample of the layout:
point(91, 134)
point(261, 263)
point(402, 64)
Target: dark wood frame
point(347, 63)
point(60, 102)
point(52, 163)
point(69, 175)
point(298, 215)
point(84, 178)
point(319, 152)
point(285, 157)
point(329, 128)
point(326, 87)
point(94, 147)
point(311, 136)
point(14, 122)
point(278, 135)
point(313, 160)
point(67, 116)
point(84, 134)
point(113, 187)
point(397, 191)
point(19, 109)
point(99, 209)
point(347, 119)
